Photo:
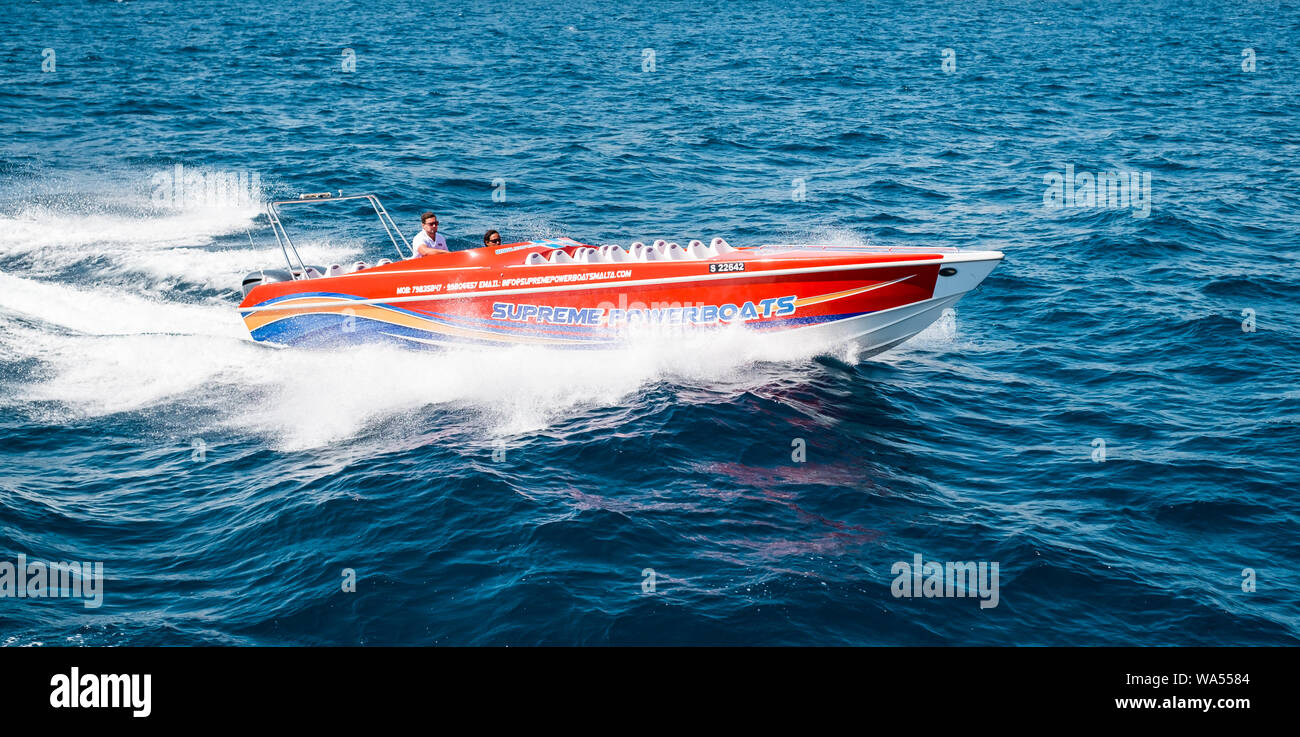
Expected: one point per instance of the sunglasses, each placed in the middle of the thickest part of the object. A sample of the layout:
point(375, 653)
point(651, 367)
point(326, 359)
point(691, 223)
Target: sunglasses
point(494, 240)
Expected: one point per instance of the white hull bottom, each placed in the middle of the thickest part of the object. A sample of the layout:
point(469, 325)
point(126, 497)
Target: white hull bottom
point(877, 332)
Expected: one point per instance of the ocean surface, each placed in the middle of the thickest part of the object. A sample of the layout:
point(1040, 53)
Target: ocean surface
point(1112, 418)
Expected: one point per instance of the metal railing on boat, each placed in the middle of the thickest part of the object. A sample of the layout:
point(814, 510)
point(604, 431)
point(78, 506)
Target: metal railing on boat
point(315, 198)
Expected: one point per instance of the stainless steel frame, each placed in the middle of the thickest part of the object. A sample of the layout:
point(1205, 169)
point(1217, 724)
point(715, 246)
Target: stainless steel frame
point(286, 245)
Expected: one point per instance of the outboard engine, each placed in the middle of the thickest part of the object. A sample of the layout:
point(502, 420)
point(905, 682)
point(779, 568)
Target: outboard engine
point(264, 276)
point(270, 276)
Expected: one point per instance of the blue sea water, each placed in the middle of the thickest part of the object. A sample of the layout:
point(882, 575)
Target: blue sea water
point(519, 496)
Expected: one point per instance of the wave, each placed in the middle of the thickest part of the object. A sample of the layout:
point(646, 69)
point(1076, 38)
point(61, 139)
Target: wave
point(100, 310)
point(80, 241)
point(103, 352)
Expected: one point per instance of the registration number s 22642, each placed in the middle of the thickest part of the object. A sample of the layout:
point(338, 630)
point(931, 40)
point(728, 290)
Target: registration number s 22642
point(728, 266)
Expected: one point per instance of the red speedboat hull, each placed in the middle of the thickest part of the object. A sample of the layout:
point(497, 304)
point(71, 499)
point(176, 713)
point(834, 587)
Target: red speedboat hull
point(563, 293)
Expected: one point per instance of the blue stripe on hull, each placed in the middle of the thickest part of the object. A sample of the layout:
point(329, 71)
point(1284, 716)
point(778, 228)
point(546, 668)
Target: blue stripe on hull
point(334, 329)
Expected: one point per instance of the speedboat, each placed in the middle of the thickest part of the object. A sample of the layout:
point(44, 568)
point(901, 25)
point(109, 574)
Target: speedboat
point(560, 292)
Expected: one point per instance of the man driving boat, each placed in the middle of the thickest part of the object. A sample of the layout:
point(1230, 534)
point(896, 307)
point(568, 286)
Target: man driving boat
point(428, 240)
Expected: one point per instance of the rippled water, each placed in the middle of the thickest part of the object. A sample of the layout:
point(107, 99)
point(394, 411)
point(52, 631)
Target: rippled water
point(517, 496)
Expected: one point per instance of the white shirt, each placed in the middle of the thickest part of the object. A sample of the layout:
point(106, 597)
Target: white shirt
point(423, 239)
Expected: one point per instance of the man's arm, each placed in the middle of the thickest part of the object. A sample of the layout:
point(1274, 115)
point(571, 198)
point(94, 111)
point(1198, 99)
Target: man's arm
point(438, 246)
point(424, 246)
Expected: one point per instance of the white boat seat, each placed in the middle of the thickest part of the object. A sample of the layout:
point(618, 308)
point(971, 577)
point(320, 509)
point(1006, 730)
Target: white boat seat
point(699, 250)
point(614, 254)
point(720, 246)
point(383, 261)
point(560, 257)
point(535, 259)
point(334, 270)
point(360, 266)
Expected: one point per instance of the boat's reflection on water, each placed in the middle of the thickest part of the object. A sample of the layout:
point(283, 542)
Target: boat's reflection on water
point(760, 515)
